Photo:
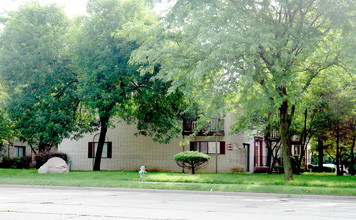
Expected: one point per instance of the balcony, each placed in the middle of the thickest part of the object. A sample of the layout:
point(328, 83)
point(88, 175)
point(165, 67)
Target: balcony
point(215, 127)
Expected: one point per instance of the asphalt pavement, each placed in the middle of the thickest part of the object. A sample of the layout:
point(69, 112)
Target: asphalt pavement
point(52, 203)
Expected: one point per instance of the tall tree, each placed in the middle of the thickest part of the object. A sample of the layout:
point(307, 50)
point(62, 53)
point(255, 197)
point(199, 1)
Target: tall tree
point(37, 74)
point(222, 47)
point(110, 87)
point(331, 98)
point(102, 62)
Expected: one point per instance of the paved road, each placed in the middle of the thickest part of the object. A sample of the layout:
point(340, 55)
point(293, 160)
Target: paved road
point(51, 203)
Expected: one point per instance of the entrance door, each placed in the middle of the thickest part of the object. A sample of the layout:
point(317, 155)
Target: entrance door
point(259, 152)
point(247, 148)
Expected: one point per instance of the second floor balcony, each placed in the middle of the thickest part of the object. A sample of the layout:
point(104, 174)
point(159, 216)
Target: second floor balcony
point(215, 127)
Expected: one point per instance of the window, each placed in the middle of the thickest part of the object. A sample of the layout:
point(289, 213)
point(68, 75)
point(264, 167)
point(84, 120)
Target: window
point(19, 151)
point(208, 147)
point(107, 149)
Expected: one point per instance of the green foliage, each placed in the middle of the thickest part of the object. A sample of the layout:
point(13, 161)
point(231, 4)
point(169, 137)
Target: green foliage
point(26, 162)
point(16, 162)
point(158, 112)
point(6, 162)
point(332, 102)
point(326, 159)
point(106, 79)
point(69, 77)
point(254, 57)
point(6, 125)
point(38, 74)
point(111, 87)
point(101, 57)
point(191, 160)
point(41, 158)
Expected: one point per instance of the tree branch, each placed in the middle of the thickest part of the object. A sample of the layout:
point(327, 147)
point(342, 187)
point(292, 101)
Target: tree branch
point(261, 53)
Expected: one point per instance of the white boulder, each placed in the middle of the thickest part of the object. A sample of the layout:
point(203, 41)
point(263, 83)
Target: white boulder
point(54, 165)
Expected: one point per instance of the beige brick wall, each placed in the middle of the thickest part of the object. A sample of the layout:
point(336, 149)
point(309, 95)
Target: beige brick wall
point(130, 152)
point(9, 150)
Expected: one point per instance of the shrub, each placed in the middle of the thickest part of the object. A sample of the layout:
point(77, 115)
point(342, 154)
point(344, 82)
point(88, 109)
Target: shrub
point(25, 162)
point(280, 169)
point(60, 155)
point(302, 170)
point(324, 169)
point(16, 162)
point(41, 158)
point(6, 162)
point(191, 160)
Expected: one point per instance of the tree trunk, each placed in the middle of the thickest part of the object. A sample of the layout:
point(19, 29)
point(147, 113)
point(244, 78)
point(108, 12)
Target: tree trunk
point(41, 148)
point(321, 153)
point(275, 158)
point(103, 130)
point(269, 150)
point(339, 172)
point(193, 168)
point(352, 162)
point(304, 143)
point(352, 151)
point(270, 159)
point(297, 165)
point(285, 139)
point(32, 149)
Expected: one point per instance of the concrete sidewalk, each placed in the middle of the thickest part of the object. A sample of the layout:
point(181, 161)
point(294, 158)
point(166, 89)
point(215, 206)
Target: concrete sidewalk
point(48, 202)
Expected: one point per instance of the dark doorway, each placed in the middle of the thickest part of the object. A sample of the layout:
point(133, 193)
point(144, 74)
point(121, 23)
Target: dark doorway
point(247, 147)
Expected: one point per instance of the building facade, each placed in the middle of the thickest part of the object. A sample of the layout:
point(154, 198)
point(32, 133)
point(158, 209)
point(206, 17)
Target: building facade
point(17, 149)
point(21, 150)
point(125, 151)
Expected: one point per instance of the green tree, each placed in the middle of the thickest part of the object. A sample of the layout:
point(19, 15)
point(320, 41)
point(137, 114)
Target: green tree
point(351, 141)
point(110, 87)
point(102, 62)
point(343, 104)
point(38, 75)
point(332, 102)
point(192, 160)
point(223, 48)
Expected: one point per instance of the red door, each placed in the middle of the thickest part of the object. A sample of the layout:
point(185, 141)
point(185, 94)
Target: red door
point(259, 151)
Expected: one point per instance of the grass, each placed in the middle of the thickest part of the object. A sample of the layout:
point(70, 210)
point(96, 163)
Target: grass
point(318, 184)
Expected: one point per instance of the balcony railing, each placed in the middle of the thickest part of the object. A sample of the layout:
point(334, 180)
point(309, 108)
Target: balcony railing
point(215, 127)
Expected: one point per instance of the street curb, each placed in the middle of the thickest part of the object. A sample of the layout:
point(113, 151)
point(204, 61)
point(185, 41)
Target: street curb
point(138, 190)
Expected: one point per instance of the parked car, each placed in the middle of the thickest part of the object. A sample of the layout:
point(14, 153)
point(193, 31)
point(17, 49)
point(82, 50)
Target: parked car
point(314, 167)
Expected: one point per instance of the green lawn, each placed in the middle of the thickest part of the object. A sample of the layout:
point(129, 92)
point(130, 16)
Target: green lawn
point(321, 184)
